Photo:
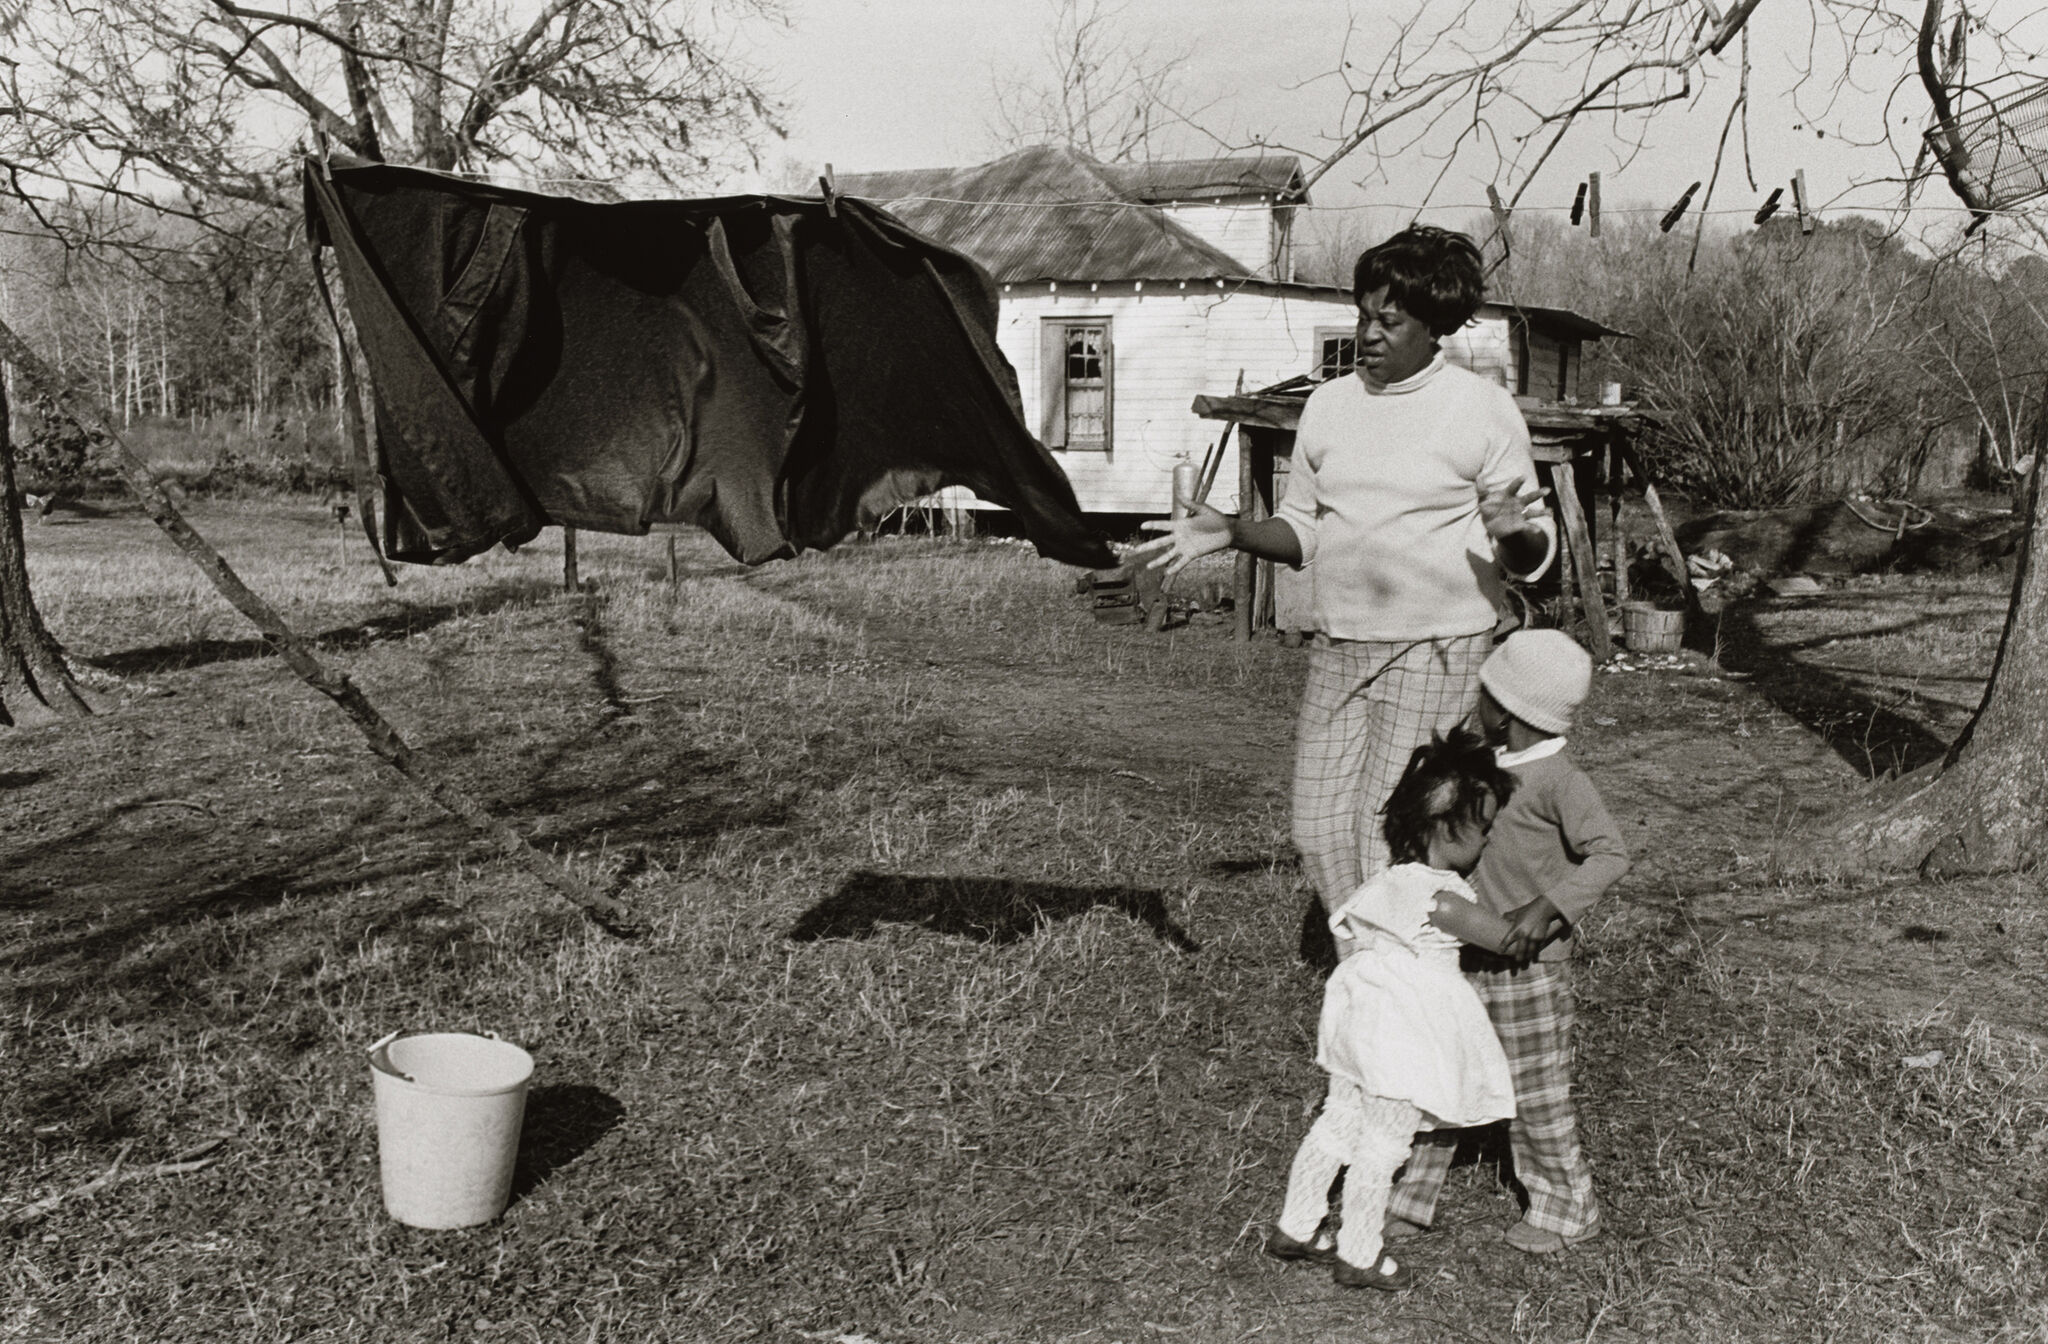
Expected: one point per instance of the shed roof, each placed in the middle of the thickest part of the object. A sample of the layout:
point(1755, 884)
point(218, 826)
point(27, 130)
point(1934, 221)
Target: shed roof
point(1563, 320)
point(1209, 179)
point(1048, 213)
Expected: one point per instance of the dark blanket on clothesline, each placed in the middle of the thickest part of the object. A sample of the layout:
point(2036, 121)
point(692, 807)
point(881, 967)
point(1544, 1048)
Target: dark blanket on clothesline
point(776, 374)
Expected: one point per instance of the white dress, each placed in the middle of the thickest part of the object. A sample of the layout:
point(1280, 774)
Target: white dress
point(1399, 1019)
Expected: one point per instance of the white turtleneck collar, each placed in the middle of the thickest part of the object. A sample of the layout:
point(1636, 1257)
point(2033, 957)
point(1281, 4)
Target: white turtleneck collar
point(1414, 382)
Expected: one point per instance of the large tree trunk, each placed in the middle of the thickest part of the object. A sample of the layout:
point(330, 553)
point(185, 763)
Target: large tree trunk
point(36, 685)
point(1985, 807)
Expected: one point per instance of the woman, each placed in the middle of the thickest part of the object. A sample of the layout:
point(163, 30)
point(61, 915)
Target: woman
point(1411, 491)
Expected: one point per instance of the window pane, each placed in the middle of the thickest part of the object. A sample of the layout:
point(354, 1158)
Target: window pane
point(1084, 416)
point(1340, 356)
point(1084, 354)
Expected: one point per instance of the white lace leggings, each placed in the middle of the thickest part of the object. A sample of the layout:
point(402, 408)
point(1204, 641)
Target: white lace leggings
point(1368, 1138)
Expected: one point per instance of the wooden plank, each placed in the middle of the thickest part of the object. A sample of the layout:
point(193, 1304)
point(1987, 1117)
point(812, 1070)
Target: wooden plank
point(1584, 559)
point(1212, 462)
point(1674, 556)
point(1269, 412)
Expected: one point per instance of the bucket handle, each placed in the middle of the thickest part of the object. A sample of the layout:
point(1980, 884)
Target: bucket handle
point(382, 1062)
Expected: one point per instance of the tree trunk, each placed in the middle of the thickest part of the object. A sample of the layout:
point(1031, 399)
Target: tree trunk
point(1984, 808)
point(36, 685)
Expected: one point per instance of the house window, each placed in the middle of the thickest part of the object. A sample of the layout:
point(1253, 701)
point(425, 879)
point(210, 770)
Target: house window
point(1087, 387)
point(1336, 352)
point(1076, 375)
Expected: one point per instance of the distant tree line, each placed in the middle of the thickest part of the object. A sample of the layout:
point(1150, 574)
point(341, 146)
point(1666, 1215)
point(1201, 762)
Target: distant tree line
point(211, 324)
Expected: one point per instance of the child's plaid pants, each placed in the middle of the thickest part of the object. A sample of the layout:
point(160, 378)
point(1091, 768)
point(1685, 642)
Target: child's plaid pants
point(1531, 1010)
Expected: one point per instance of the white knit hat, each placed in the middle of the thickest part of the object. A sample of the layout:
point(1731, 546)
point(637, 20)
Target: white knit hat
point(1540, 677)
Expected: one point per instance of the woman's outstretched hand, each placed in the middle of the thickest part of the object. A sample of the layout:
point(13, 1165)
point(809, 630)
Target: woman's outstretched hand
point(1204, 531)
point(1511, 509)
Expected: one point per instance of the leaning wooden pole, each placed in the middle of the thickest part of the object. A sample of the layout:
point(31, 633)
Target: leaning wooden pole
point(384, 739)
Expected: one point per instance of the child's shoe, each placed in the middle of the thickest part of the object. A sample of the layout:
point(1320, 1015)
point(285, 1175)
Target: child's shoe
point(1317, 1249)
point(1400, 1229)
point(1525, 1236)
point(1386, 1274)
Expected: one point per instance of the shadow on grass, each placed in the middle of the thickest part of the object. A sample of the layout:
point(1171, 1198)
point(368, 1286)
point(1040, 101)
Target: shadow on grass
point(1256, 864)
point(414, 620)
point(986, 909)
point(122, 897)
point(1874, 740)
point(563, 1122)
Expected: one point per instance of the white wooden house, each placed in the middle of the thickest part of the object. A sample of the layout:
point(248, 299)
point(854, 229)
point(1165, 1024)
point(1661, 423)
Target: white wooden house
point(1127, 290)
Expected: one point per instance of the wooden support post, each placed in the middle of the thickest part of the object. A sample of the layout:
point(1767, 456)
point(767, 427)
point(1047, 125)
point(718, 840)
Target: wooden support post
point(1261, 508)
point(1617, 481)
point(1243, 578)
point(569, 582)
point(675, 572)
point(1585, 561)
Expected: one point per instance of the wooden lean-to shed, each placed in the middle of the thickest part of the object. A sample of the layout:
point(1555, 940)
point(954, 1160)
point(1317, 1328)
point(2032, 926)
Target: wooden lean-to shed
point(1535, 351)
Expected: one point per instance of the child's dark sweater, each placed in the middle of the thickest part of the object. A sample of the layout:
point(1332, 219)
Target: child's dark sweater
point(1554, 838)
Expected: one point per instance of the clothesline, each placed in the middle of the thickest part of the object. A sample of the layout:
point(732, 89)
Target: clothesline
point(1833, 203)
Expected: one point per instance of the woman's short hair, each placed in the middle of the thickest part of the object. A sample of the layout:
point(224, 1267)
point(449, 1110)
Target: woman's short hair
point(1435, 274)
point(1448, 780)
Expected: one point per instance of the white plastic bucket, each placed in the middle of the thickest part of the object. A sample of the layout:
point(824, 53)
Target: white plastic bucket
point(449, 1106)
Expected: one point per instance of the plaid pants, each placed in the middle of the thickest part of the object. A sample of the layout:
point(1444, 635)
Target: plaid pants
point(1532, 1013)
point(1369, 704)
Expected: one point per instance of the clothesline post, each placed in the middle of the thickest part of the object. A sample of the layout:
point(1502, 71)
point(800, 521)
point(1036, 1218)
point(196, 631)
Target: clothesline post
point(569, 583)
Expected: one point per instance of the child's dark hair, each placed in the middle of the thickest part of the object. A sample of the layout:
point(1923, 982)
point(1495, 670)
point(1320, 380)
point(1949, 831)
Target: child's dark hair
point(1434, 273)
point(1448, 780)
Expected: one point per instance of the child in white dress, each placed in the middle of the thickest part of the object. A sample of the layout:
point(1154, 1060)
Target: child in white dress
point(1404, 1038)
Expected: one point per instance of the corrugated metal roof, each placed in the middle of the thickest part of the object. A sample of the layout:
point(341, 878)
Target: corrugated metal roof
point(1207, 179)
point(997, 213)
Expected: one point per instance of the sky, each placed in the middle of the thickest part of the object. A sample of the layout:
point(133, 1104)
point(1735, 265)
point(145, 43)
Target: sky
point(876, 84)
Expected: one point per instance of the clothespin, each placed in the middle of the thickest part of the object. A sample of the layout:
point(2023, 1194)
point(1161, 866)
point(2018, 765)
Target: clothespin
point(1953, 62)
point(830, 190)
point(1500, 222)
point(1500, 213)
point(1579, 205)
point(320, 144)
point(1799, 201)
point(1677, 212)
point(1593, 205)
point(1770, 205)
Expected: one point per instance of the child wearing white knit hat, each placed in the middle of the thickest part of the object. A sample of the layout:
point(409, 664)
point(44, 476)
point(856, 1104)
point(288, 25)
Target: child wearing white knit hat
point(1555, 849)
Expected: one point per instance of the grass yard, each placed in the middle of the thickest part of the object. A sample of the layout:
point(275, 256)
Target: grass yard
point(973, 1007)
